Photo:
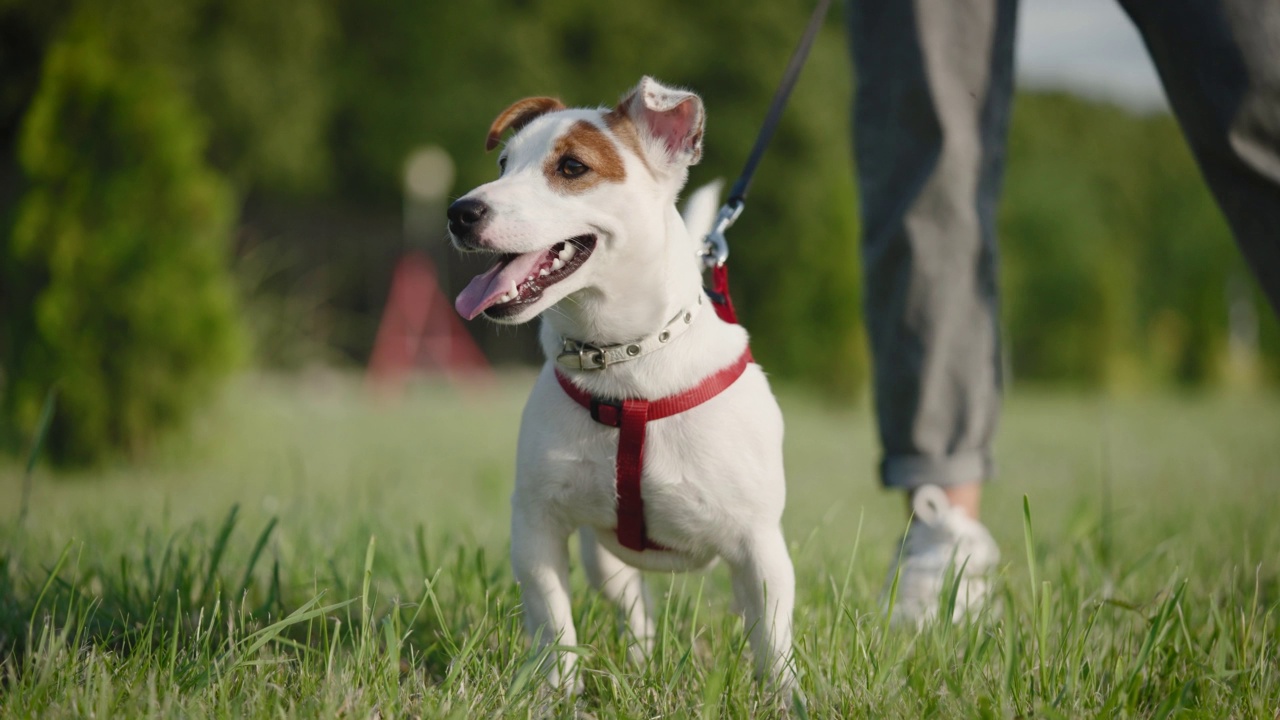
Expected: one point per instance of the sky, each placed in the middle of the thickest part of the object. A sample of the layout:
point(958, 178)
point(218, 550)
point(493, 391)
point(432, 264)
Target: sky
point(1088, 47)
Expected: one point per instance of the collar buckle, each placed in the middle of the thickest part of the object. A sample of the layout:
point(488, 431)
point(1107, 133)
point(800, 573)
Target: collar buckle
point(584, 355)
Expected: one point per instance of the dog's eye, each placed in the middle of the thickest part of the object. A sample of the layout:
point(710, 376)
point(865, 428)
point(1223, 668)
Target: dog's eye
point(571, 168)
point(502, 164)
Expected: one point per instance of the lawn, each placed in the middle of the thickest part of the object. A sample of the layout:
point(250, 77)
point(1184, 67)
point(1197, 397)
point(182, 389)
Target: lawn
point(306, 550)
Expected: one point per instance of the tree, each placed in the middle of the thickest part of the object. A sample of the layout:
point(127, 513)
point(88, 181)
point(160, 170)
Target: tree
point(114, 270)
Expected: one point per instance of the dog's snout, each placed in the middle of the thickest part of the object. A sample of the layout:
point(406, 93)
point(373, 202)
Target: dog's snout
point(466, 216)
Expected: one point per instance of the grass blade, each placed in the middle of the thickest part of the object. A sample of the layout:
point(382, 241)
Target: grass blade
point(33, 454)
point(258, 547)
point(216, 553)
point(1031, 548)
point(368, 577)
point(245, 649)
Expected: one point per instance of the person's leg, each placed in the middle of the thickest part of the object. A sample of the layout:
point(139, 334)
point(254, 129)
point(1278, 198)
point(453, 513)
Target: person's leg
point(1219, 61)
point(934, 86)
point(935, 82)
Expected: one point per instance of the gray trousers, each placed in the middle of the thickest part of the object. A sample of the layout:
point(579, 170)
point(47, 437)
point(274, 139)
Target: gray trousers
point(935, 82)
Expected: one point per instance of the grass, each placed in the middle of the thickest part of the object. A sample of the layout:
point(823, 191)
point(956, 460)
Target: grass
point(306, 551)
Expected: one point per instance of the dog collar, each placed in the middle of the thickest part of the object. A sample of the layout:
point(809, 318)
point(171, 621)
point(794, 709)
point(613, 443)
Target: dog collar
point(578, 355)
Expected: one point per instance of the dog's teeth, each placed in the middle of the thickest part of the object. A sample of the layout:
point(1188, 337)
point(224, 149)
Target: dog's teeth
point(557, 264)
point(544, 272)
point(506, 297)
point(568, 252)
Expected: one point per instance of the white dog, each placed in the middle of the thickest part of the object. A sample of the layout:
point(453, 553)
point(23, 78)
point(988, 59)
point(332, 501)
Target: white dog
point(585, 229)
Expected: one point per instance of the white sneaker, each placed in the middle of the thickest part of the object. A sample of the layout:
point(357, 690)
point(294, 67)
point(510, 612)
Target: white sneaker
point(941, 541)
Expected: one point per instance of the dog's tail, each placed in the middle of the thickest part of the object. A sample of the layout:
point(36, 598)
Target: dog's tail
point(700, 210)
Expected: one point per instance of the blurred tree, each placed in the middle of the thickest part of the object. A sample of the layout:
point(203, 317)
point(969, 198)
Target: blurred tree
point(115, 267)
point(257, 72)
point(132, 113)
point(1116, 261)
point(260, 76)
point(1067, 269)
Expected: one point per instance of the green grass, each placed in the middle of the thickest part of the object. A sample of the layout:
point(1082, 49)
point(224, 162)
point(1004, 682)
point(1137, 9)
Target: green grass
point(306, 551)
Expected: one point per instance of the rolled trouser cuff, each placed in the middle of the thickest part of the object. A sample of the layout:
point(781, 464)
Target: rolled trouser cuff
point(908, 472)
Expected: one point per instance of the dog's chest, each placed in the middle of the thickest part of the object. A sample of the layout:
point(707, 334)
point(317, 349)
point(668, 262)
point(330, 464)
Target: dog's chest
point(573, 472)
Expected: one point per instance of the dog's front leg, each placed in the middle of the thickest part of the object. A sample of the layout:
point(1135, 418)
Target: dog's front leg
point(764, 587)
point(540, 561)
point(625, 587)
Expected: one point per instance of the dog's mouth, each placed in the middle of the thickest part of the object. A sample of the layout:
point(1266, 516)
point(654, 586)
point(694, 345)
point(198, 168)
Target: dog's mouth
point(517, 280)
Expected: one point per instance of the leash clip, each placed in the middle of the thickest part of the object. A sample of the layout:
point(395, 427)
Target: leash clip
point(715, 248)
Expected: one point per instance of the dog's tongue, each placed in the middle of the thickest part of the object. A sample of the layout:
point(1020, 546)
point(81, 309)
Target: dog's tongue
point(484, 290)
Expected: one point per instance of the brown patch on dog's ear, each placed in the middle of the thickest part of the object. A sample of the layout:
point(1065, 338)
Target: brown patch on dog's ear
point(589, 145)
point(521, 113)
point(622, 127)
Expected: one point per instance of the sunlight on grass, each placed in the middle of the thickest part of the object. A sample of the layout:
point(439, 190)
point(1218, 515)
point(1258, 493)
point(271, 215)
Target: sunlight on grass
point(309, 551)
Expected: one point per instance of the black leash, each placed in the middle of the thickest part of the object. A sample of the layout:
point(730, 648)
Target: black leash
point(716, 249)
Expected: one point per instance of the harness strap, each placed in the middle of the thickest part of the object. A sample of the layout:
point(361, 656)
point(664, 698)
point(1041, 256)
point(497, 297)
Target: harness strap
point(631, 417)
point(720, 299)
point(631, 530)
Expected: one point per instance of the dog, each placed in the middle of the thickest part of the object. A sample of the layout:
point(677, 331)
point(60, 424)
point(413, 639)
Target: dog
point(584, 226)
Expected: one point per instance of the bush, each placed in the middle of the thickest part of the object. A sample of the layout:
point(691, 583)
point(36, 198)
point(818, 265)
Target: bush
point(1116, 261)
point(115, 266)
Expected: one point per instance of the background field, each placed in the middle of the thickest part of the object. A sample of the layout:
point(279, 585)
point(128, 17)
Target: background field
point(1154, 548)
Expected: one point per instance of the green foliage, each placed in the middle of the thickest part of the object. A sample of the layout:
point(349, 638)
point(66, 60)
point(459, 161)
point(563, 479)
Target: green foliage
point(258, 71)
point(1116, 262)
point(115, 266)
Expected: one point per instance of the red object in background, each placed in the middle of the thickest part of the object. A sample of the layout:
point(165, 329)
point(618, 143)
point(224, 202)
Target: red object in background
point(419, 329)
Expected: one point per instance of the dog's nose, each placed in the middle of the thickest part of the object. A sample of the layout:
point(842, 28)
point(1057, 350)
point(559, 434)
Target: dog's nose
point(466, 216)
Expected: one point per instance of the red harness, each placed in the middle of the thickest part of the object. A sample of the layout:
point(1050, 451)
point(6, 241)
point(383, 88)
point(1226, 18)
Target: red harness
point(631, 416)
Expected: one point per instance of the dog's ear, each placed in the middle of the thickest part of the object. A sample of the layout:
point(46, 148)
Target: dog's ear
point(672, 117)
point(521, 113)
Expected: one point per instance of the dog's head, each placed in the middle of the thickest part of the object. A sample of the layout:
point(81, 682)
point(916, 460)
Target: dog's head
point(579, 194)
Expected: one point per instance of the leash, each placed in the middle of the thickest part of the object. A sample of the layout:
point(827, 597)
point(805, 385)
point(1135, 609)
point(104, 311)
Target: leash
point(715, 247)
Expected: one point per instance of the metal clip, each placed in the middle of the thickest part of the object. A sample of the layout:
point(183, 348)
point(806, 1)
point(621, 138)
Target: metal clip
point(596, 355)
point(715, 248)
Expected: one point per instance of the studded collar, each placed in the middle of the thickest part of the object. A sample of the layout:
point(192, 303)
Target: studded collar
point(579, 355)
